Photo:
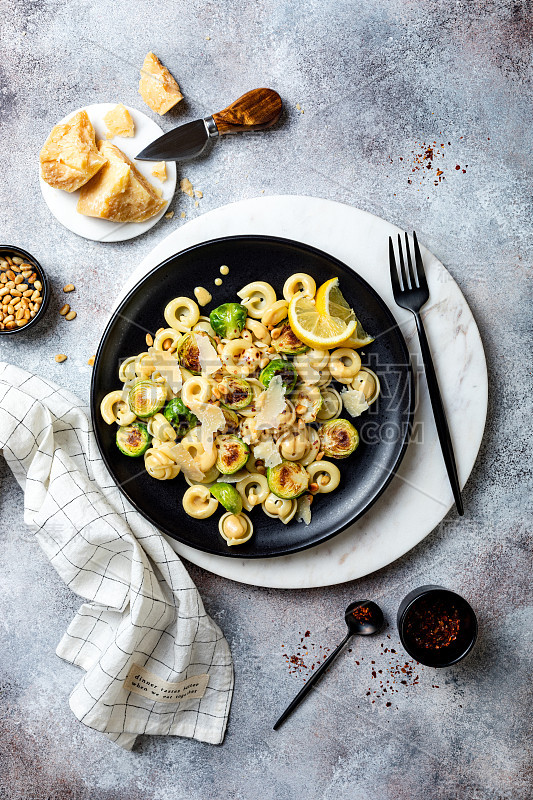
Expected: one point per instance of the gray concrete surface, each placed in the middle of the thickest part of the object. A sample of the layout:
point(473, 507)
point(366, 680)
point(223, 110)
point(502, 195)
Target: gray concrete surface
point(377, 83)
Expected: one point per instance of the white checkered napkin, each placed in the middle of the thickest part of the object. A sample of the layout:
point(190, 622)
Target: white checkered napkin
point(142, 609)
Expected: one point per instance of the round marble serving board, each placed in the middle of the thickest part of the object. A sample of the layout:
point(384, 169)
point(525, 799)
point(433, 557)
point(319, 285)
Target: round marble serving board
point(63, 204)
point(419, 496)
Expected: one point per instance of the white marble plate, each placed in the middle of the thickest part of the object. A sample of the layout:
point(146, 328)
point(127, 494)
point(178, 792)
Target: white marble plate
point(419, 496)
point(63, 204)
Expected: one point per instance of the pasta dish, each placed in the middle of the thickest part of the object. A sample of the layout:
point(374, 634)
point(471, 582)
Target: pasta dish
point(248, 404)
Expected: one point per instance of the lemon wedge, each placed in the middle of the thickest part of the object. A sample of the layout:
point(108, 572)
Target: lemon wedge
point(321, 331)
point(329, 300)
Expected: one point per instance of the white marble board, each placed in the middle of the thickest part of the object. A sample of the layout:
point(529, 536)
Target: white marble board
point(419, 495)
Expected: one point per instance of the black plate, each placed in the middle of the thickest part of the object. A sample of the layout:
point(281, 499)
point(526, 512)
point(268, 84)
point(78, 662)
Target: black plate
point(384, 428)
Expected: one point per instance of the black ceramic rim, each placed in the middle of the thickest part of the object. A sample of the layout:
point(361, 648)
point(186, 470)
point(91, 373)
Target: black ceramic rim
point(416, 595)
point(245, 551)
point(45, 292)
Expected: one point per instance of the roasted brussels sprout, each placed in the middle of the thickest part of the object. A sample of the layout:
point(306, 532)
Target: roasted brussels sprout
point(188, 354)
point(228, 496)
point(288, 374)
point(287, 341)
point(228, 320)
point(287, 480)
point(133, 440)
point(179, 416)
point(146, 398)
point(338, 438)
point(232, 453)
point(236, 393)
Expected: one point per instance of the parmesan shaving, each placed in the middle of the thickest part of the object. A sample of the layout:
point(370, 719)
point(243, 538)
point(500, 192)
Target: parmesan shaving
point(185, 461)
point(211, 420)
point(272, 405)
point(354, 401)
point(268, 452)
point(303, 509)
point(207, 356)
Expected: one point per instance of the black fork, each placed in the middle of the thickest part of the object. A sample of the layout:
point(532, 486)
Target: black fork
point(410, 290)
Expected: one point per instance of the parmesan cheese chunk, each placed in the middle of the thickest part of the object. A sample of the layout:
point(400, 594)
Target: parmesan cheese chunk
point(118, 122)
point(268, 452)
point(207, 356)
point(211, 420)
point(354, 401)
point(119, 192)
point(185, 461)
point(272, 405)
point(160, 171)
point(157, 87)
point(69, 157)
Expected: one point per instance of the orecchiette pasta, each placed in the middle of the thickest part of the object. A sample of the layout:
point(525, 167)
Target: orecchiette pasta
point(259, 331)
point(253, 489)
point(275, 506)
point(275, 313)
point(367, 381)
point(167, 339)
point(160, 462)
point(299, 282)
point(325, 474)
point(196, 389)
point(204, 459)
point(110, 406)
point(344, 364)
point(235, 528)
point(257, 297)
point(210, 477)
point(126, 370)
point(198, 502)
point(331, 404)
point(181, 314)
point(160, 428)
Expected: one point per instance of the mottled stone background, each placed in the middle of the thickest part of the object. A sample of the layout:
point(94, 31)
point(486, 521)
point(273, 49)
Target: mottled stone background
point(368, 86)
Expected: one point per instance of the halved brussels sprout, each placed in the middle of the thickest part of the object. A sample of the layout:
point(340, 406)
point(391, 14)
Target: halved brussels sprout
point(146, 398)
point(287, 480)
point(236, 393)
point(188, 353)
point(232, 453)
point(289, 376)
point(179, 416)
point(287, 341)
point(133, 440)
point(310, 398)
point(228, 496)
point(338, 438)
point(228, 320)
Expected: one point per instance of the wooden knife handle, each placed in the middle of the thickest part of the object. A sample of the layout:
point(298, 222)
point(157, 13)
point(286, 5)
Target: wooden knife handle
point(254, 111)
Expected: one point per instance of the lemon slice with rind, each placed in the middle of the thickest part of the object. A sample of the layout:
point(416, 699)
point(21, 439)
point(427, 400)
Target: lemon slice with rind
point(330, 300)
point(321, 331)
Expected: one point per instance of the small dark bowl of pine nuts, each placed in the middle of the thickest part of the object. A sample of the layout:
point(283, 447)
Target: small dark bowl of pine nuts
point(24, 290)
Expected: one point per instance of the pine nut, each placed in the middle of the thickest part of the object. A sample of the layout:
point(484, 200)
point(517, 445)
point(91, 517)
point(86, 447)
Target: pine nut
point(10, 325)
point(149, 339)
point(167, 344)
point(3, 278)
point(21, 322)
point(7, 298)
point(17, 260)
point(91, 361)
point(26, 314)
point(38, 285)
point(16, 293)
point(61, 357)
point(23, 287)
point(9, 261)
point(19, 314)
point(17, 305)
point(32, 278)
point(26, 273)
point(27, 293)
point(32, 313)
point(10, 274)
point(71, 315)
point(319, 456)
point(276, 333)
point(10, 285)
point(18, 279)
point(15, 268)
point(63, 310)
point(313, 487)
point(69, 287)
point(9, 318)
point(4, 290)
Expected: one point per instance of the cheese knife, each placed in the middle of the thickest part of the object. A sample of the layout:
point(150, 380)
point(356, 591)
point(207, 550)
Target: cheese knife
point(254, 111)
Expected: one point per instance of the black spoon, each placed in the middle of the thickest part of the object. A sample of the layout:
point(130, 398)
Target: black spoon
point(363, 618)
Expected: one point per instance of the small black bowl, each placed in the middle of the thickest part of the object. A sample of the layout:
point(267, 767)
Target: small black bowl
point(12, 250)
point(413, 606)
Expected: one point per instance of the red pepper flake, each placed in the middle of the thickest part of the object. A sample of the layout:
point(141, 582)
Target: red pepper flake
point(431, 624)
point(457, 166)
